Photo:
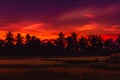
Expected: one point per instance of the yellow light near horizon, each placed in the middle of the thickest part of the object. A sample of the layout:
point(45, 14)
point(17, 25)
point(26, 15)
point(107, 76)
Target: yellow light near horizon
point(2, 34)
point(47, 36)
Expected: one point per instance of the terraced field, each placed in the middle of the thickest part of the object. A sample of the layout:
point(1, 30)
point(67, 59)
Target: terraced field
point(69, 68)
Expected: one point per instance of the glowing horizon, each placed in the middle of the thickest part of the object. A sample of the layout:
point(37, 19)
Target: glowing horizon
point(51, 36)
point(46, 18)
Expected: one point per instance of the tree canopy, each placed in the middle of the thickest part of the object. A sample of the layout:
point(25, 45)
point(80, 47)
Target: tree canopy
point(72, 45)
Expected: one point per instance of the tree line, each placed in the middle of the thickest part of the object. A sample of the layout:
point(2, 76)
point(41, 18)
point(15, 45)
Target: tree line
point(71, 45)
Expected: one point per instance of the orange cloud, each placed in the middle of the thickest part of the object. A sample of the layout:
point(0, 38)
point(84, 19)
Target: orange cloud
point(41, 30)
point(87, 27)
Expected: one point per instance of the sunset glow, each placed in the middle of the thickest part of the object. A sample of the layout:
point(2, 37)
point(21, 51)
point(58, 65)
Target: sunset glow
point(46, 21)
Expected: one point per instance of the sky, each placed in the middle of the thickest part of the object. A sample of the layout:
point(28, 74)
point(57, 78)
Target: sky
point(46, 18)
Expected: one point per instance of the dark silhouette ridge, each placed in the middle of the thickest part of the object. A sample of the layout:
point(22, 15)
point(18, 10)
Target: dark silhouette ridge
point(71, 45)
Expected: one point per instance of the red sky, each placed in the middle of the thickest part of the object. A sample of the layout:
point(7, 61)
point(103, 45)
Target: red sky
point(46, 18)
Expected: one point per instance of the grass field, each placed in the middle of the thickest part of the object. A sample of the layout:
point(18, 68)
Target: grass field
point(71, 68)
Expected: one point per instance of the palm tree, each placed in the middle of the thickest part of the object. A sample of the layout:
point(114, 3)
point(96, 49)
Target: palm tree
point(60, 42)
point(19, 40)
point(9, 39)
point(9, 44)
point(95, 41)
point(32, 44)
point(72, 42)
point(83, 44)
point(28, 39)
point(35, 42)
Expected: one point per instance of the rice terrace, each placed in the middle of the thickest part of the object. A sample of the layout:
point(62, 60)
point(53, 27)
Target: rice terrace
point(70, 68)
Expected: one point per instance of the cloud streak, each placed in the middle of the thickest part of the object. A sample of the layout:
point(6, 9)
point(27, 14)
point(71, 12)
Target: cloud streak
point(48, 17)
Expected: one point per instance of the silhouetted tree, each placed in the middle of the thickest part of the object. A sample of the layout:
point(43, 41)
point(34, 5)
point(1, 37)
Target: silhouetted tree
point(118, 40)
point(83, 44)
point(74, 37)
point(109, 44)
point(9, 44)
point(28, 40)
point(62, 46)
point(19, 46)
point(95, 41)
point(1, 46)
point(60, 42)
point(2, 43)
point(35, 42)
point(9, 39)
point(32, 44)
point(72, 42)
point(19, 40)
point(49, 48)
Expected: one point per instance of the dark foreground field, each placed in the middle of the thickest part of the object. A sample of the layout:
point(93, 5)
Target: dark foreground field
point(81, 68)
